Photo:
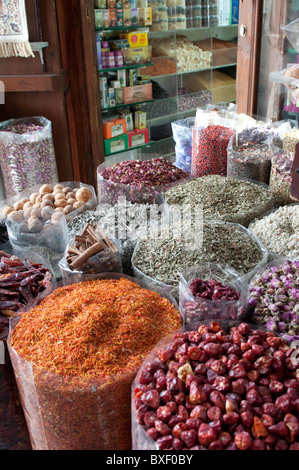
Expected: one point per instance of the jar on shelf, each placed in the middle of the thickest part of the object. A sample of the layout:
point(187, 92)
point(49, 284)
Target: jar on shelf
point(189, 12)
point(205, 21)
point(214, 20)
point(196, 22)
point(213, 9)
point(176, 3)
point(142, 3)
point(160, 25)
point(157, 3)
point(159, 13)
point(196, 11)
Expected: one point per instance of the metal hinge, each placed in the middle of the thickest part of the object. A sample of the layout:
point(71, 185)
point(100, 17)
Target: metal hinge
point(87, 13)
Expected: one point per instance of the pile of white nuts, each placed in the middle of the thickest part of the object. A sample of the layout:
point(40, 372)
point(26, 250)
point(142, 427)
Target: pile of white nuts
point(50, 203)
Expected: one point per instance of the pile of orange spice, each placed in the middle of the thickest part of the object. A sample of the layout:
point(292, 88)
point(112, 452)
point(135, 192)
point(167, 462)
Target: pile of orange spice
point(94, 329)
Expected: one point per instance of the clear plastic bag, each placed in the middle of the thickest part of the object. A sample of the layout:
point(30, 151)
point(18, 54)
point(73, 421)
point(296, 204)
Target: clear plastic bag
point(77, 413)
point(281, 175)
point(167, 360)
point(27, 154)
point(182, 134)
point(110, 192)
point(248, 159)
point(265, 310)
point(168, 250)
point(194, 309)
point(210, 138)
point(234, 200)
point(277, 220)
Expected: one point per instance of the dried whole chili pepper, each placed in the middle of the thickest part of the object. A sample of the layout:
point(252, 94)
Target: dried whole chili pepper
point(85, 343)
point(20, 282)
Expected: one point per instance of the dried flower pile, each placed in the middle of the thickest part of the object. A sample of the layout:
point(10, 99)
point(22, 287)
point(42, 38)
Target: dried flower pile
point(274, 298)
point(137, 180)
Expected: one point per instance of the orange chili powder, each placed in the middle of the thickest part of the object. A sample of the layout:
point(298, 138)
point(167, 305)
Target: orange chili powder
point(95, 328)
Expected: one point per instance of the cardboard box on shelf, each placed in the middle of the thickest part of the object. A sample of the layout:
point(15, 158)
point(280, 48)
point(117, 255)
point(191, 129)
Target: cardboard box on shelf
point(145, 16)
point(114, 128)
point(136, 38)
point(138, 137)
point(137, 93)
point(137, 55)
point(117, 144)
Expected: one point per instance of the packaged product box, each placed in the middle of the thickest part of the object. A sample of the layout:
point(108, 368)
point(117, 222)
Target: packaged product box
point(119, 95)
point(137, 93)
point(100, 4)
point(106, 19)
point(144, 79)
point(136, 38)
point(119, 17)
point(99, 51)
point(224, 12)
point(117, 144)
point(98, 18)
point(119, 3)
point(115, 84)
point(140, 120)
point(114, 128)
point(127, 17)
point(103, 91)
point(134, 16)
point(145, 16)
point(111, 4)
point(121, 77)
point(235, 11)
point(111, 97)
point(126, 4)
point(137, 55)
point(112, 18)
point(128, 116)
point(138, 137)
point(132, 79)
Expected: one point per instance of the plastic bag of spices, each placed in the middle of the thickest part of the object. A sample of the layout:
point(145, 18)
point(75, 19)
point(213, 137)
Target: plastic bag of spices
point(281, 175)
point(100, 332)
point(99, 255)
point(71, 198)
point(249, 155)
point(190, 392)
point(210, 291)
point(31, 284)
point(182, 134)
point(161, 257)
point(27, 154)
point(137, 181)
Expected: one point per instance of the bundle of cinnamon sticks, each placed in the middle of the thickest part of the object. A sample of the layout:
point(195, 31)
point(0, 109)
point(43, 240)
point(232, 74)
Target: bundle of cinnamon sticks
point(87, 244)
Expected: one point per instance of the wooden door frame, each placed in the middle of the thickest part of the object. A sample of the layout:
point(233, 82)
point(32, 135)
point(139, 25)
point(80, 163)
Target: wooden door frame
point(248, 60)
point(76, 25)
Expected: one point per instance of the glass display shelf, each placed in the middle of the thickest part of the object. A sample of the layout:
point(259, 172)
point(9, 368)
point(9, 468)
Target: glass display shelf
point(183, 72)
point(122, 28)
point(212, 29)
point(125, 67)
point(117, 106)
point(149, 144)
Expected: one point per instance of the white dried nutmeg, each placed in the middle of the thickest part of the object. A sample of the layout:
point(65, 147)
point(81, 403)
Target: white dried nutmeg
point(45, 188)
point(66, 190)
point(18, 206)
point(57, 216)
point(36, 212)
point(83, 194)
point(6, 210)
point(27, 212)
point(16, 216)
point(48, 197)
point(47, 212)
point(27, 204)
point(68, 209)
point(58, 186)
point(70, 195)
point(33, 197)
point(60, 203)
point(71, 201)
point(47, 203)
point(78, 204)
point(34, 224)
